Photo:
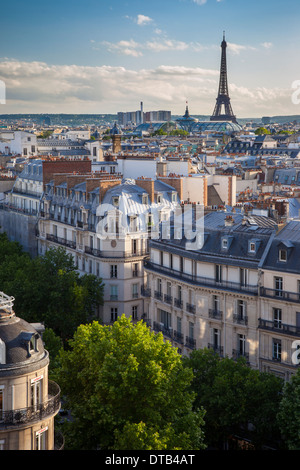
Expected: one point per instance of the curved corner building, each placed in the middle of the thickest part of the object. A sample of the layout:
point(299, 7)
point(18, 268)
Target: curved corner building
point(28, 401)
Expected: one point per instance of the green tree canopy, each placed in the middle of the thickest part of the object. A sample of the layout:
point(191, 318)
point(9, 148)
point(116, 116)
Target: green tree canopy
point(128, 389)
point(289, 413)
point(236, 398)
point(48, 288)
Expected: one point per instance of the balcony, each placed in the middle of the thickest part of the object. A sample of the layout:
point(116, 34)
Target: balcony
point(190, 342)
point(217, 348)
point(280, 294)
point(200, 281)
point(31, 414)
point(236, 354)
point(145, 291)
point(240, 319)
point(279, 327)
point(191, 308)
point(178, 303)
point(215, 314)
point(158, 295)
point(61, 241)
point(168, 299)
point(178, 337)
point(161, 327)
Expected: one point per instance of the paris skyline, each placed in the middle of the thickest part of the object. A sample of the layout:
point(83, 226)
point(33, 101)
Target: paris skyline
point(105, 57)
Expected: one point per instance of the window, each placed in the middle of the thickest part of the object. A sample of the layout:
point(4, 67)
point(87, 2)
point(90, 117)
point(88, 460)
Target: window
point(113, 314)
point(276, 354)
point(216, 303)
point(241, 343)
point(179, 293)
point(278, 284)
point(115, 201)
point(252, 247)
point(191, 330)
point(179, 321)
point(36, 391)
point(159, 285)
point(41, 439)
point(145, 199)
point(113, 292)
point(241, 309)
point(161, 255)
point(113, 271)
point(282, 255)
point(165, 318)
point(169, 289)
point(277, 317)
point(224, 243)
point(1, 402)
point(218, 273)
point(135, 291)
point(215, 338)
point(134, 310)
point(135, 270)
point(243, 277)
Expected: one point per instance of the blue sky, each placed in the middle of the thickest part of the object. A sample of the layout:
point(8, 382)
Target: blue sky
point(106, 56)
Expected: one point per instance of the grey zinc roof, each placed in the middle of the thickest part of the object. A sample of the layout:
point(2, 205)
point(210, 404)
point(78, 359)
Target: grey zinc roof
point(288, 238)
point(240, 234)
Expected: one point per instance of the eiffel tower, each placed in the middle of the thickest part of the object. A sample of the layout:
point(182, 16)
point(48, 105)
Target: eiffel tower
point(223, 95)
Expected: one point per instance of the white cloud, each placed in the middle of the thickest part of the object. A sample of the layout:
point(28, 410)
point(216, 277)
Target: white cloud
point(237, 48)
point(130, 48)
point(37, 87)
point(142, 19)
point(267, 45)
point(200, 2)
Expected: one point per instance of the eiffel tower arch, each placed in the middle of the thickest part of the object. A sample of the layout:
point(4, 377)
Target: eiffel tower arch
point(223, 99)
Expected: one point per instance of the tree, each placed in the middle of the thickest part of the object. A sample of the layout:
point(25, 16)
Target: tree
point(289, 413)
point(261, 131)
point(48, 288)
point(127, 388)
point(234, 397)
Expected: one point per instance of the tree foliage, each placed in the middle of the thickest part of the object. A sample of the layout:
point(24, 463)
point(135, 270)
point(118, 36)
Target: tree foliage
point(236, 398)
point(289, 413)
point(48, 288)
point(128, 389)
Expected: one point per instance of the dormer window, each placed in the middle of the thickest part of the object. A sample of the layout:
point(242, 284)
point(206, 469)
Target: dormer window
point(224, 243)
point(159, 198)
point(174, 197)
point(115, 201)
point(145, 199)
point(252, 247)
point(282, 255)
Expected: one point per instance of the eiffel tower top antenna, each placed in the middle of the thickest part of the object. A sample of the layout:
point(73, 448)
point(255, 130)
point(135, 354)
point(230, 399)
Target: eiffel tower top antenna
point(223, 94)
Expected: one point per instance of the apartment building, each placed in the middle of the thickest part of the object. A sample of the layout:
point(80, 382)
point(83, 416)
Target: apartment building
point(29, 401)
point(206, 294)
point(279, 315)
point(105, 222)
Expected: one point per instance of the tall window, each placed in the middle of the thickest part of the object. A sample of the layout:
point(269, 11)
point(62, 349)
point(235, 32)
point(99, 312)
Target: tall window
point(243, 277)
point(113, 314)
point(113, 270)
point(179, 321)
point(278, 286)
point(215, 338)
point(241, 344)
point(134, 312)
point(218, 273)
point(135, 291)
point(216, 303)
point(41, 439)
point(1, 403)
point(36, 392)
point(191, 330)
point(277, 317)
point(241, 309)
point(113, 292)
point(276, 350)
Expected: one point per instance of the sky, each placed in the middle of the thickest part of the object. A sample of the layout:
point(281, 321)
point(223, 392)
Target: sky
point(106, 56)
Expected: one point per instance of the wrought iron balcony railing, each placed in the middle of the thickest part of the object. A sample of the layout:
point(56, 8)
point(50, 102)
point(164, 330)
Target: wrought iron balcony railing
point(33, 413)
point(279, 327)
